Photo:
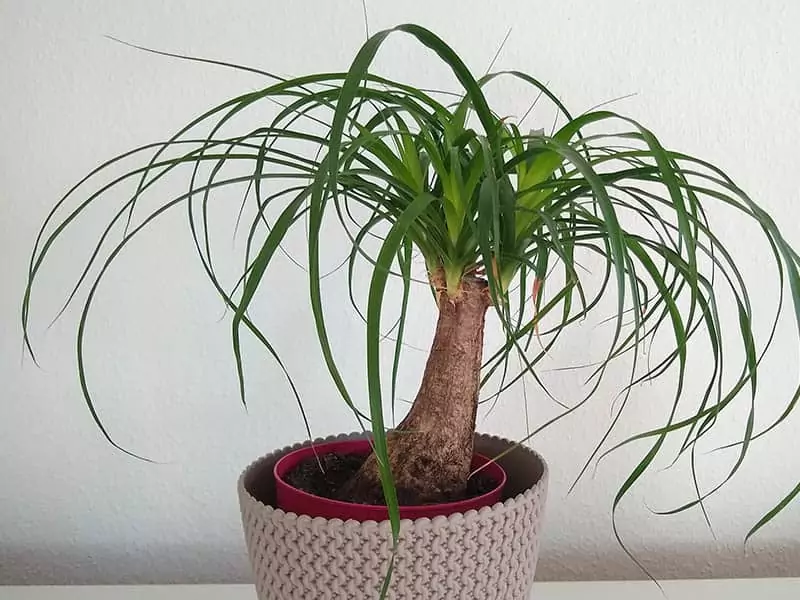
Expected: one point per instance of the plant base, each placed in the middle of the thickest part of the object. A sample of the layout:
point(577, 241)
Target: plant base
point(292, 499)
point(488, 554)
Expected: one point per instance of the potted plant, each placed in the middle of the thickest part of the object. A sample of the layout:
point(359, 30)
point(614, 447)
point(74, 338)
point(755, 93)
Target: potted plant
point(500, 219)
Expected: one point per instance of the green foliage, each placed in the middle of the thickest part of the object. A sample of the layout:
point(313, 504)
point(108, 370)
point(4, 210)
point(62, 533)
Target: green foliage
point(470, 192)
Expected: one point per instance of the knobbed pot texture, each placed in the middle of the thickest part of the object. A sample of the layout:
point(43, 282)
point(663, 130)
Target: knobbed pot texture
point(488, 554)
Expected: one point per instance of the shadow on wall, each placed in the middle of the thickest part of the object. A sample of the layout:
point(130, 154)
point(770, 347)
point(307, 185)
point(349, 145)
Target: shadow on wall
point(198, 564)
point(679, 561)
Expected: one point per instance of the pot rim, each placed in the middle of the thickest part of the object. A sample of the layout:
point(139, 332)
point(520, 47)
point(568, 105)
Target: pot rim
point(515, 502)
point(497, 471)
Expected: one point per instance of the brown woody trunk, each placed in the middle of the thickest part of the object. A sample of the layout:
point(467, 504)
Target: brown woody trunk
point(431, 450)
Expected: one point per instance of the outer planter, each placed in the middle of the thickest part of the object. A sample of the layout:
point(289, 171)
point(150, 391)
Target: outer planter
point(488, 554)
point(291, 499)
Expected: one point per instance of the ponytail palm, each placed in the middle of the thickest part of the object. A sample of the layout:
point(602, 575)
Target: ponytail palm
point(498, 214)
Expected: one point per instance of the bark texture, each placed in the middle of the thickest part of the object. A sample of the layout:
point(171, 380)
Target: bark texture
point(431, 450)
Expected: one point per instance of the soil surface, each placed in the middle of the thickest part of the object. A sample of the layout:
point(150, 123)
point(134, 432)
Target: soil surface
point(339, 468)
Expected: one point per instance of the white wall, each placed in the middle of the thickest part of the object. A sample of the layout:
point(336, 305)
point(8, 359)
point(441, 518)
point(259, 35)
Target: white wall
point(720, 79)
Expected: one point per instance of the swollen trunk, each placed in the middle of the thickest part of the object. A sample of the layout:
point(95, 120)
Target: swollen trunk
point(431, 450)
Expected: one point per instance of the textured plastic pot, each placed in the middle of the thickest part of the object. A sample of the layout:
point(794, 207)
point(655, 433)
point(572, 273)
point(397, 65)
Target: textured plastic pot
point(291, 499)
point(486, 554)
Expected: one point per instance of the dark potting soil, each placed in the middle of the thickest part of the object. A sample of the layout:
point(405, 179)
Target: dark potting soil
point(337, 469)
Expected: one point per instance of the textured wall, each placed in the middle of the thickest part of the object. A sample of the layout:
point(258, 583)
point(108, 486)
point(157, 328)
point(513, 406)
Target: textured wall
point(720, 79)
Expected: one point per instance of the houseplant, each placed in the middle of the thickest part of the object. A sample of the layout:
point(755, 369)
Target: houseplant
point(491, 210)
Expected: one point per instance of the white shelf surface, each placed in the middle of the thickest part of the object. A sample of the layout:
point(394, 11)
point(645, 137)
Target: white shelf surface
point(722, 589)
